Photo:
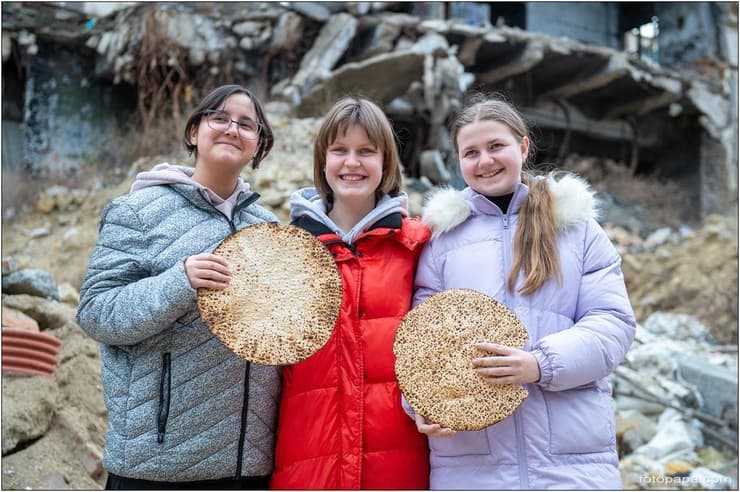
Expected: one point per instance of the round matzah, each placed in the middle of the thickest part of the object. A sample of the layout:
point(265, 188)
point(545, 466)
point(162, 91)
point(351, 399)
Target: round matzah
point(283, 299)
point(434, 359)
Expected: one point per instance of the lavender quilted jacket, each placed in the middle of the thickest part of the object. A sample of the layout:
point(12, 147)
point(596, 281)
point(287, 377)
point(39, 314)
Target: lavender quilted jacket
point(563, 435)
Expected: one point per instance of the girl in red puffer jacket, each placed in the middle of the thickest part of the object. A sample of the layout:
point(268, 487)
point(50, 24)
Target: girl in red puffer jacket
point(341, 423)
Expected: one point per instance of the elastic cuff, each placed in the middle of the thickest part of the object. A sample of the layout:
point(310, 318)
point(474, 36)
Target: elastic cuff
point(545, 367)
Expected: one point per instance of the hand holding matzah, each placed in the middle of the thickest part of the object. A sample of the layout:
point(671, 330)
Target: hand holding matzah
point(206, 270)
point(431, 429)
point(506, 365)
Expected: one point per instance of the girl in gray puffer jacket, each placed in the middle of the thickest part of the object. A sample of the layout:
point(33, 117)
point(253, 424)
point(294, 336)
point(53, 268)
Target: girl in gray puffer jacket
point(183, 410)
point(533, 244)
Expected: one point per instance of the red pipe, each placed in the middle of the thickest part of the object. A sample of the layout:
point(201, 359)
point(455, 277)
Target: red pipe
point(26, 353)
point(25, 334)
point(12, 361)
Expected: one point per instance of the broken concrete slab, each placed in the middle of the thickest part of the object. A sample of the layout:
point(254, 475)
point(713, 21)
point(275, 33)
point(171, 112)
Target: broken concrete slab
point(327, 49)
point(382, 78)
point(713, 383)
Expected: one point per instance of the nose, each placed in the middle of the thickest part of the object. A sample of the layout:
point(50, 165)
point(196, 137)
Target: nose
point(232, 124)
point(351, 159)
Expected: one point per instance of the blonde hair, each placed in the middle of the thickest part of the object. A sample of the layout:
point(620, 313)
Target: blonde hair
point(363, 112)
point(535, 240)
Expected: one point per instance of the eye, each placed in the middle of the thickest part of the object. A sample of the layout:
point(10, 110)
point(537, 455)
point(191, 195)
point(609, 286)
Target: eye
point(219, 118)
point(470, 153)
point(495, 146)
point(248, 125)
point(338, 149)
point(368, 151)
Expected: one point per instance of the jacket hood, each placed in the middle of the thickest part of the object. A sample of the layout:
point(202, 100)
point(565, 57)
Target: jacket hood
point(307, 201)
point(575, 201)
point(165, 174)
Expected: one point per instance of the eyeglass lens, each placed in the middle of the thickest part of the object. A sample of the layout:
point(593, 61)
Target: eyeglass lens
point(221, 121)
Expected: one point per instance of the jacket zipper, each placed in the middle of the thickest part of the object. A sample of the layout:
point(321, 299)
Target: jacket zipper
point(164, 397)
point(518, 427)
point(243, 428)
point(245, 403)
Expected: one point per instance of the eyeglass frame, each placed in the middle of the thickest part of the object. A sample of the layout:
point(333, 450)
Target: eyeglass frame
point(206, 113)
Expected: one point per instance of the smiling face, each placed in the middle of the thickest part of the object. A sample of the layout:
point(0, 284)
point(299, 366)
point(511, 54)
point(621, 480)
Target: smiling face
point(354, 168)
point(226, 150)
point(491, 157)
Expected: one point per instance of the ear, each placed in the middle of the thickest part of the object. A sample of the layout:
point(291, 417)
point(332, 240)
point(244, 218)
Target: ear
point(524, 147)
point(194, 135)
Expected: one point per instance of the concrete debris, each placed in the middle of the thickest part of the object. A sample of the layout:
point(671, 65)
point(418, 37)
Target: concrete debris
point(673, 440)
point(28, 409)
point(33, 281)
point(330, 45)
point(307, 53)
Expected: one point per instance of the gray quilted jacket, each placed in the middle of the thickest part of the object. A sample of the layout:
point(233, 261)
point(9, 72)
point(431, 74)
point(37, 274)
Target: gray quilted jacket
point(181, 406)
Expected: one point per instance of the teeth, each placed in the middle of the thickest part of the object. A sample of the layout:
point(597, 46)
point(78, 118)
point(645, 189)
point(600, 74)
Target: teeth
point(352, 178)
point(489, 175)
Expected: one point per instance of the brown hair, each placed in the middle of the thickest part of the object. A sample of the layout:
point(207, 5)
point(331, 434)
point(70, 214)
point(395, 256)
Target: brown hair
point(215, 100)
point(535, 240)
point(363, 112)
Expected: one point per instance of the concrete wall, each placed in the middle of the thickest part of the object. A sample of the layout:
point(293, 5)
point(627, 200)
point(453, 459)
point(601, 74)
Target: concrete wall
point(589, 22)
point(688, 32)
point(69, 118)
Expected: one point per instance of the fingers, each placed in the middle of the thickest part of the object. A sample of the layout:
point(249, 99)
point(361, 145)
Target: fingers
point(511, 366)
point(501, 368)
point(494, 348)
point(207, 270)
point(432, 430)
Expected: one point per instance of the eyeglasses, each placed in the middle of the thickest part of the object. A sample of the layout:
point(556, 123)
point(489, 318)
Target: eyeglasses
point(221, 121)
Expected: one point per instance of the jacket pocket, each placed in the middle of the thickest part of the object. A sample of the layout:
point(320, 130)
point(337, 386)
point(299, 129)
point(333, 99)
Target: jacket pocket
point(581, 421)
point(164, 397)
point(463, 443)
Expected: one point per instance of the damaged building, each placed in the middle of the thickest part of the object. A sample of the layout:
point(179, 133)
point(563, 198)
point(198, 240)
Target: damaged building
point(652, 85)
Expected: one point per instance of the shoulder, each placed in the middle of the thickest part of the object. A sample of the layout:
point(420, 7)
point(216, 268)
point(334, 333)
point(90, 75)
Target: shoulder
point(446, 208)
point(259, 213)
point(575, 200)
point(414, 231)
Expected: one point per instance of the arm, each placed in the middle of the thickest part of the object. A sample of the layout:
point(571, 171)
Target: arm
point(604, 327)
point(120, 303)
point(428, 280)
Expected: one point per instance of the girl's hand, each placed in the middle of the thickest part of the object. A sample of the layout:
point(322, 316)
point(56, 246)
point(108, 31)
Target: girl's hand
point(432, 430)
point(506, 365)
point(207, 270)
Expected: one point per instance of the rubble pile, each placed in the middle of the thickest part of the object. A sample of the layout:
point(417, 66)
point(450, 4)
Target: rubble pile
point(691, 271)
point(412, 60)
point(676, 421)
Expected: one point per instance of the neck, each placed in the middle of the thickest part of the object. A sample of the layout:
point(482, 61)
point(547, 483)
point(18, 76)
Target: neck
point(223, 185)
point(502, 201)
point(346, 215)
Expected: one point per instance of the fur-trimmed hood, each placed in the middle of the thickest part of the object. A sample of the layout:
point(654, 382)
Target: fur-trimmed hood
point(575, 201)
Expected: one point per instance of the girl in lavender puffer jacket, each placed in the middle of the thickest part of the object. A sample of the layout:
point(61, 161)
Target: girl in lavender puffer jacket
point(533, 244)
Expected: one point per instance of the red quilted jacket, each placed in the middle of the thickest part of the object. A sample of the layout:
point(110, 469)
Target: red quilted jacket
point(341, 424)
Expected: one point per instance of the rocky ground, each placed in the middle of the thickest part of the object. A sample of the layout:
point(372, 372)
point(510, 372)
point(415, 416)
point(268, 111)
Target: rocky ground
point(53, 427)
